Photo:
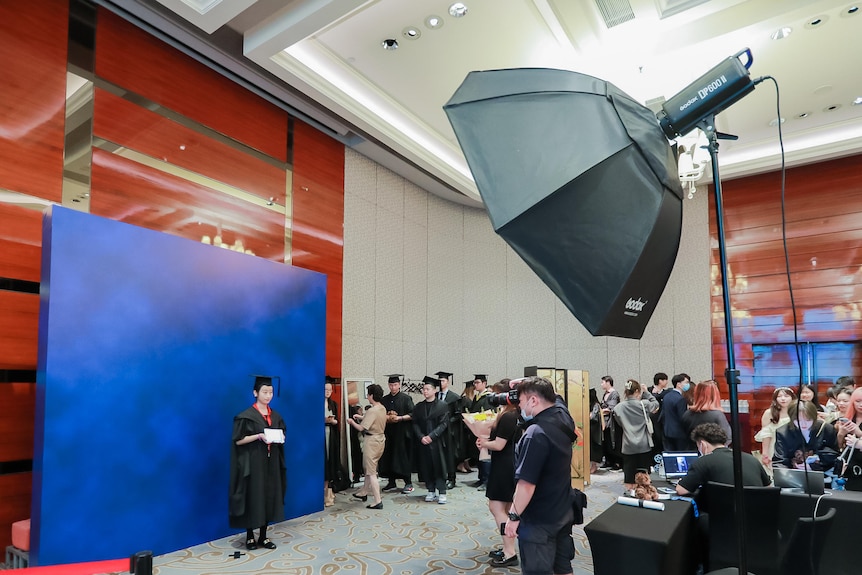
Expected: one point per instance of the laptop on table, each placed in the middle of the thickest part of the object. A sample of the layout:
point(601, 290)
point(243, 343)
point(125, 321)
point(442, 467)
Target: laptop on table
point(675, 464)
point(810, 482)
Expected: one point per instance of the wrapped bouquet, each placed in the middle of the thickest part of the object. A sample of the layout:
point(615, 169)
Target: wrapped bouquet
point(480, 424)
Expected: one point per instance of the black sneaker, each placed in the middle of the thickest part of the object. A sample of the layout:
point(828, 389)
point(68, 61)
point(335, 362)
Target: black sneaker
point(407, 489)
point(390, 487)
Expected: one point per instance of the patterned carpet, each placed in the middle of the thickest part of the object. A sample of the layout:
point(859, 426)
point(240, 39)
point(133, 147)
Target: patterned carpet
point(407, 537)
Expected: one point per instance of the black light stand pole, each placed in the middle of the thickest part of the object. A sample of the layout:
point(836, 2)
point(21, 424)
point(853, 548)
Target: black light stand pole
point(731, 373)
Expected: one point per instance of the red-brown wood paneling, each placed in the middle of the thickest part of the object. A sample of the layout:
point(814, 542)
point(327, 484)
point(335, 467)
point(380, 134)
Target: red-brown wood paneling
point(33, 44)
point(824, 241)
point(17, 413)
point(16, 489)
point(131, 58)
point(125, 123)
point(130, 192)
point(19, 321)
point(20, 243)
point(318, 224)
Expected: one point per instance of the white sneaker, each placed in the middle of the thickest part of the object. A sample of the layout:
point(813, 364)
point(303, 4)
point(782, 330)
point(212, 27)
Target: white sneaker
point(431, 496)
point(442, 500)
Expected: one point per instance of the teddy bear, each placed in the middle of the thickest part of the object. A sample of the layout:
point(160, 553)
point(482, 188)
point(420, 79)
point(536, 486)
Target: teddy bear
point(644, 488)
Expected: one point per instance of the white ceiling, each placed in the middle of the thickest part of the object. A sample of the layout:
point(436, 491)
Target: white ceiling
point(325, 60)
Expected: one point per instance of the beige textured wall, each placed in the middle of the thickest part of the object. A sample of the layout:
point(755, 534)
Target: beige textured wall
point(429, 286)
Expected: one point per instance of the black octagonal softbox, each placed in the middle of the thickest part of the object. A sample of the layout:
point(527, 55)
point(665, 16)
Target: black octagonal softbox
point(580, 181)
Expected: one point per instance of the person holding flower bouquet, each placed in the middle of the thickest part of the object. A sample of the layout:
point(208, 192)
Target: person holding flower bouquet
point(503, 436)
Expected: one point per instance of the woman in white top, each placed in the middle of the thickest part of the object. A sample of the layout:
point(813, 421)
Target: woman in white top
point(772, 419)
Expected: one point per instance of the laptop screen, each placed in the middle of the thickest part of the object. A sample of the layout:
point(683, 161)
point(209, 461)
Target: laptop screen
point(677, 463)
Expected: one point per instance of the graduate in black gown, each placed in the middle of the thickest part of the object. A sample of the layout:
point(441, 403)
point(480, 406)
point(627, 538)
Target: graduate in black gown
point(455, 430)
point(430, 424)
point(397, 460)
point(258, 477)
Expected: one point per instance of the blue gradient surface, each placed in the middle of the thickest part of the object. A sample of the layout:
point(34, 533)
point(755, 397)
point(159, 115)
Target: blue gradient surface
point(147, 347)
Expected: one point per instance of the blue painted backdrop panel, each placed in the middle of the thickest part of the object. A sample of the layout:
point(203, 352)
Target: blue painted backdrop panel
point(147, 344)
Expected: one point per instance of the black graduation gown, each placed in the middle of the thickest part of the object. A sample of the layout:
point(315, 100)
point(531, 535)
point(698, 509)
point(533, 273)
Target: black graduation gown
point(431, 418)
point(455, 430)
point(397, 456)
point(332, 458)
point(258, 477)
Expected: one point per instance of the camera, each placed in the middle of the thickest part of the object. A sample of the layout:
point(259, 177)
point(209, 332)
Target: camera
point(507, 397)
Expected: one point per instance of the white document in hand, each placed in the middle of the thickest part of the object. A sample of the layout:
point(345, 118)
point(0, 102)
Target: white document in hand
point(273, 435)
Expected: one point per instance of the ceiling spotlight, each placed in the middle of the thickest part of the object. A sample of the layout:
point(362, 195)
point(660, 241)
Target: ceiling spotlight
point(831, 108)
point(851, 11)
point(390, 44)
point(802, 116)
point(816, 22)
point(411, 32)
point(433, 22)
point(457, 10)
point(781, 33)
point(857, 101)
point(775, 121)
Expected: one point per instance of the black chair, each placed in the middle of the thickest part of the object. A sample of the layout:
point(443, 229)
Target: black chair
point(804, 547)
point(761, 528)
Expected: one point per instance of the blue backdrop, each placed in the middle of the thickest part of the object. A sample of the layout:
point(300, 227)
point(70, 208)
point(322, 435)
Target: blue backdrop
point(147, 347)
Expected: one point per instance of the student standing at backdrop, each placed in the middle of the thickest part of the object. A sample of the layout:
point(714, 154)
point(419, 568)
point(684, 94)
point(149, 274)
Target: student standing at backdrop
point(397, 460)
point(430, 422)
point(258, 477)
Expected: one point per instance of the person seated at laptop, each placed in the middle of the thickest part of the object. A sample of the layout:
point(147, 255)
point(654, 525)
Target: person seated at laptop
point(811, 443)
point(716, 462)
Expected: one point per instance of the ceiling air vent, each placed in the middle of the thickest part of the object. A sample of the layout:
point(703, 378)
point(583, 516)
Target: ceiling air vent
point(615, 12)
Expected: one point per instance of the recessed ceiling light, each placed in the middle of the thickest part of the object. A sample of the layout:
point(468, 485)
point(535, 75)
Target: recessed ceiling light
point(850, 11)
point(775, 121)
point(433, 22)
point(831, 108)
point(857, 101)
point(411, 32)
point(457, 10)
point(802, 116)
point(816, 22)
point(781, 33)
point(390, 44)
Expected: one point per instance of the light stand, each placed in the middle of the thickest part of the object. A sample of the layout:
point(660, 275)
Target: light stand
point(731, 373)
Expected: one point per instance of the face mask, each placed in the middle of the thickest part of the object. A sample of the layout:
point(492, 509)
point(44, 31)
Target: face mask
point(525, 417)
point(686, 386)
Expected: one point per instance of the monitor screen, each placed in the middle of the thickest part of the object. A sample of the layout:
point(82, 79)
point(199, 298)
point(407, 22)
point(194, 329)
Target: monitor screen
point(677, 463)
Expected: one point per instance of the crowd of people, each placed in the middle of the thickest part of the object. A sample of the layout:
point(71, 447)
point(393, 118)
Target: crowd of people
point(522, 455)
point(528, 442)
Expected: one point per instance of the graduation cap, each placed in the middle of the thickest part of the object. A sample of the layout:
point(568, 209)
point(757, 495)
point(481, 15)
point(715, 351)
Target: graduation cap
point(468, 384)
point(431, 381)
point(442, 374)
point(395, 378)
point(481, 376)
point(261, 380)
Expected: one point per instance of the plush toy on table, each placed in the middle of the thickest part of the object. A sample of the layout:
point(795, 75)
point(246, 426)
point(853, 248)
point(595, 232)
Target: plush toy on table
point(644, 489)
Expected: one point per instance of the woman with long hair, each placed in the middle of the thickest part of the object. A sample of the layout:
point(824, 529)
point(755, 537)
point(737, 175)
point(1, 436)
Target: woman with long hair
point(806, 441)
point(372, 424)
point(332, 442)
point(633, 415)
point(850, 419)
point(501, 478)
point(773, 418)
point(705, 408)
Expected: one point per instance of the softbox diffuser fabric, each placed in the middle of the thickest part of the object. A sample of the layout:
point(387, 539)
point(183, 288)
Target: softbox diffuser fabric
point(580, 181)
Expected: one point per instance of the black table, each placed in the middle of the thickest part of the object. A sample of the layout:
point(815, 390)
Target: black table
point(840, 552)
point(626, 540)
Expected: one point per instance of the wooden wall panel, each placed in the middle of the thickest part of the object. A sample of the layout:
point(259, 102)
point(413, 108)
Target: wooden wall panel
point(122, 122)
point(18, 401)
point(823, 211)
point(16, 489)
point(131, 58)
point(19, 322)
point(33, 44)
point(20, 243)
point(130, 192)
point(318, 223)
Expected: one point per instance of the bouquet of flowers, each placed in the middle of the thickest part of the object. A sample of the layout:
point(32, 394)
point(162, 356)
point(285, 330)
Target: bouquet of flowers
point(480, 424)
